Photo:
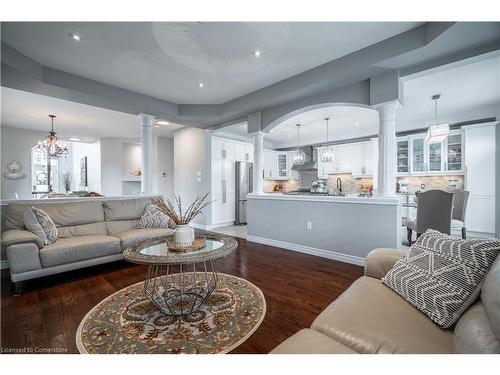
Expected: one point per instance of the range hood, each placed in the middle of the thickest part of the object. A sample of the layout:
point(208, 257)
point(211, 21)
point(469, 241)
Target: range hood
point(311, 163)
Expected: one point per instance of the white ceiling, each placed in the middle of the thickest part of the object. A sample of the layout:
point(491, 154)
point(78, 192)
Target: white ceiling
point(21, 109)
point(168, 59)
point(468, 92)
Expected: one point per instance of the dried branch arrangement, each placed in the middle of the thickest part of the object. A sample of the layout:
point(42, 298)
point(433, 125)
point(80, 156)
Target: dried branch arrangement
point(176, 214)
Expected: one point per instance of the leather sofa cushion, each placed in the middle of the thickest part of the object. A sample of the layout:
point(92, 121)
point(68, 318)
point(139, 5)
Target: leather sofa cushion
point(370, 318)
point(74, 249)
point(82, 230)
point(307, 341)
point(62, 213)
point(473, 334)
point(114, 227)
point(490, 296)
point(134, 236)
point(125, 209)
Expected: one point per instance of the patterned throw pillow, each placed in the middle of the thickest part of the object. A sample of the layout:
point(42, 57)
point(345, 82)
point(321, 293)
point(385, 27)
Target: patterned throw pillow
point(442, 276)
point(153, 217)
point(39, 222)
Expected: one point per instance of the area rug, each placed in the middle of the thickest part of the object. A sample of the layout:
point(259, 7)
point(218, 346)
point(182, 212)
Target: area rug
point(127, 322)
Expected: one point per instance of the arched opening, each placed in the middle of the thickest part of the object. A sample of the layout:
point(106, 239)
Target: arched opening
point(288, 115)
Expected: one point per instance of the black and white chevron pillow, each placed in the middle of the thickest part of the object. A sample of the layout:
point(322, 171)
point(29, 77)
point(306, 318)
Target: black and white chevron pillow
point(441, 275)
point(153, 217)
point(39, 222)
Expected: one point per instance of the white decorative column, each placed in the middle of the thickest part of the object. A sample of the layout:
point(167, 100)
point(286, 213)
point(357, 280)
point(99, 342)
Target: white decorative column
point(258, 163)
point(146, 152)
point(387, 148)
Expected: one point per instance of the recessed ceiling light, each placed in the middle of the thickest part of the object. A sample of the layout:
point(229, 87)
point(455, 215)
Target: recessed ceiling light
point(256, 53)
point(200, 85)
point(157, 126)
point(75, 37)
point(356, 123)
point(162, 122)
point(74, 139)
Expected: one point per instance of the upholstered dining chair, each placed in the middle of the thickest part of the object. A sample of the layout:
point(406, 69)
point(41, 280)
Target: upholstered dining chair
point(460, 198)
point(434, 209)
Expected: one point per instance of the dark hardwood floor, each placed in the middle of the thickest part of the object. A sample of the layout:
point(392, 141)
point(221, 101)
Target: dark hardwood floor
point(297, 288)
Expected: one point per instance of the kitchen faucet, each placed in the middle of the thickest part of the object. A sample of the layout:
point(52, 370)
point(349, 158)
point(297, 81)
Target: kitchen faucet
point(339, 184)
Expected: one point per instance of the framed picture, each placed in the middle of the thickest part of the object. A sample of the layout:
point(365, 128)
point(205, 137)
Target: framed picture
point(83, 172)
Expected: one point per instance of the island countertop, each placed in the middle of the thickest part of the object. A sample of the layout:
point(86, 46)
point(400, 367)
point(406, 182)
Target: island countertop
point(352, 199)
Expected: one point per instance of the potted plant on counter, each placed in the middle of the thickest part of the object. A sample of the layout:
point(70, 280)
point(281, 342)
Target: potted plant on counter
point(183, 234)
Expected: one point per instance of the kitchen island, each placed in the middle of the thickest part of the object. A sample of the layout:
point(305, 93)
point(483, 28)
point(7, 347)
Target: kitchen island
point(344, 228)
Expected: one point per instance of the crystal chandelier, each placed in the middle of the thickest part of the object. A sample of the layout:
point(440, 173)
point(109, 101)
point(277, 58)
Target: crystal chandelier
point(299, 158)
point(437, 133)
point(326, 153)
point(51, 143)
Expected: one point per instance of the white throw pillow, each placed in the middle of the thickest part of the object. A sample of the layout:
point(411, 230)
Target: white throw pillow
point(441, 275)
point(39, 222)
point(153, 217)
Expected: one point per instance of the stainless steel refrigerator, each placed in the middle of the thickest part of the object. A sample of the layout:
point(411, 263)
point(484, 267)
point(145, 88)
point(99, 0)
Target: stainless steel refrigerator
point(244, 185)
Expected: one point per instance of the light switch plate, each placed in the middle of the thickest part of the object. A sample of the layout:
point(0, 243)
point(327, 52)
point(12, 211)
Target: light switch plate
point(309, 225)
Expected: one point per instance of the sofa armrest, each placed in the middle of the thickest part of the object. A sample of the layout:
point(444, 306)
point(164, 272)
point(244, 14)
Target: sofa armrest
point(17, 236)
point(23, 257)
point(380, 261)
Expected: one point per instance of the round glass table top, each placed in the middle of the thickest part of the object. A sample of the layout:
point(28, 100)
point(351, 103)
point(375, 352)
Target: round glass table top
point(157, 251)
point(163, 250)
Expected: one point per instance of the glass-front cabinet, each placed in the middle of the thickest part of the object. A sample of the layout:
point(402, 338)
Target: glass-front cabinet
point(454, 151)
point(282, 165)
point(415, 156)
point(403, 155)
point(434, 157)
point(418, 155)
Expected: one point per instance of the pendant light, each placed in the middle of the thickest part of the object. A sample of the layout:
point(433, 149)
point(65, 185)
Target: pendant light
point(51, 144)
point(326, 153)
point(437, 133)
point(299, 158)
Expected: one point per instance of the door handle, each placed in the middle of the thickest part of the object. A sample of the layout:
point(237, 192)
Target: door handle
point(224, 196)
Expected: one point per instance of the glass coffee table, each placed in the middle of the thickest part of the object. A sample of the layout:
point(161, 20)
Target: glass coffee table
point(179, 283)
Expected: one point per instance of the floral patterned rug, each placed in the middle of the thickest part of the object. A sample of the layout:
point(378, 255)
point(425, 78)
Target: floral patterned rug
point(127, 322)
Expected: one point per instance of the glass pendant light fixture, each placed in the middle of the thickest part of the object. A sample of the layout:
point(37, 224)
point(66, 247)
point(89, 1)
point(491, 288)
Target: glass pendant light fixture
point(437, 133)
point(299, 158)
point(51, 144)
point(326, 153)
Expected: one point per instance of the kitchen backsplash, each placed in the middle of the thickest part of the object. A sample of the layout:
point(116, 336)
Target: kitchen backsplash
point(306, 179)
point(349, 183)
point(431, 182)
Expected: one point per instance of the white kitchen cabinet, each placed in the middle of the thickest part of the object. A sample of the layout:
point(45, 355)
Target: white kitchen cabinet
point(361, 159)
point(479, 144)
point(402, 155)
point(270, 165)
point(453, 152)
point(243, 152)
point(223, 191)
point(223, 149)
point(416, 157)
point(417, 164)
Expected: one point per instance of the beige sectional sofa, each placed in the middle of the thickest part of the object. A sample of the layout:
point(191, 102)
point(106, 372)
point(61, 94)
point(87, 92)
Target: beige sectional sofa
point(370, 318)
point(90, 232)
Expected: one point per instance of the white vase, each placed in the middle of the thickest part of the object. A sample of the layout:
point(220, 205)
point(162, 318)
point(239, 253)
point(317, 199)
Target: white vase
point(184, 235)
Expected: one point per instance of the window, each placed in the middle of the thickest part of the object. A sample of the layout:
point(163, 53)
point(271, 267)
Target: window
point(44, 177)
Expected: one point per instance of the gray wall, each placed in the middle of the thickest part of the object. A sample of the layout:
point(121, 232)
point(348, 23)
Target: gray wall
point(345, 228)
point(16, 145)
point(165, 164)
point(190, 158)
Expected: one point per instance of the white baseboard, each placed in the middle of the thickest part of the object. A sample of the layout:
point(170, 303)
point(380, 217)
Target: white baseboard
point(4, 264)
point(346, 258)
